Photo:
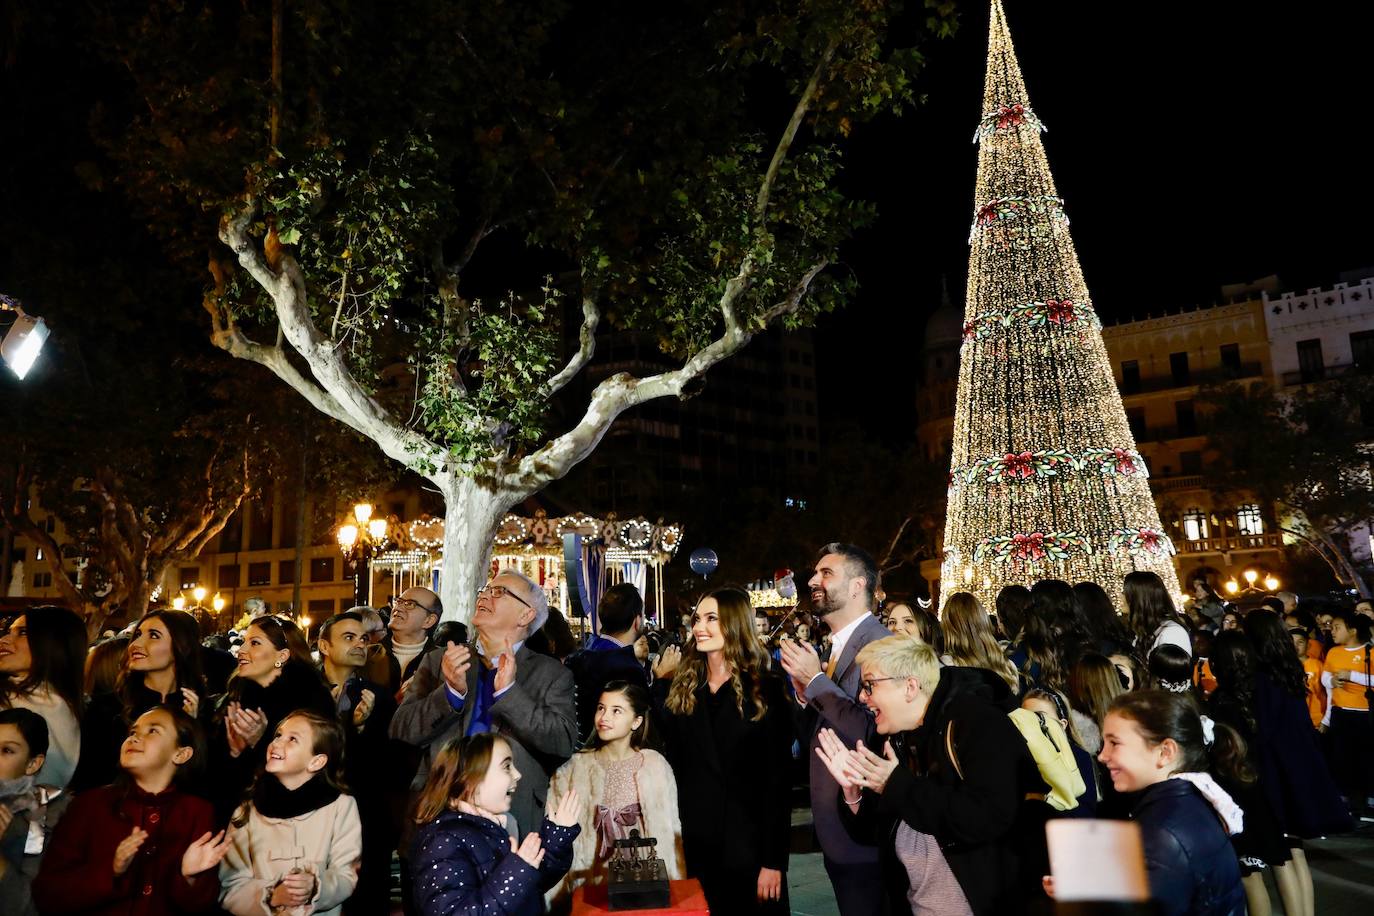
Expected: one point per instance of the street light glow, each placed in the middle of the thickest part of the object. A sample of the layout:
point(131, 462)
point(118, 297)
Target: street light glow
point(377, 528)
point(362, 512)
point(1250, 576)
point(179, 603)
point(23, 340)
point(1232, 586)
point(348, 536)
point(217, 602)
point(1271, 583)
point(199, 592)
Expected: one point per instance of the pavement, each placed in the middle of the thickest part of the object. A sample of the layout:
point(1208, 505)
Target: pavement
point(1342, 874)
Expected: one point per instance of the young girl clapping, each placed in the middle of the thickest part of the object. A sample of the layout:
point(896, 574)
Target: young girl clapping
point(464, 858)
point(139, 843)
point(294, 846)
point(623, 785)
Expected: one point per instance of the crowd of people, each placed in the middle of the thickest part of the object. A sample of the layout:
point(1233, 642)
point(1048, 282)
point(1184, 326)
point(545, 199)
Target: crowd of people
point(155, 772)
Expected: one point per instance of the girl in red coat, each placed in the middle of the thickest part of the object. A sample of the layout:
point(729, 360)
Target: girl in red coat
point(138, 846)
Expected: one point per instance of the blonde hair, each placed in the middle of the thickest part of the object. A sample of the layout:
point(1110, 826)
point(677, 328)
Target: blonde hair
point(902, 657)
point(744, 653)
point(970, 642)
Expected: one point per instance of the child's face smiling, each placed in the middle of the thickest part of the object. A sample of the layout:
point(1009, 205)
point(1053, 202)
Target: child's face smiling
point(151, 747)
point(291, 755)
point(494, 792)
point(16, 761)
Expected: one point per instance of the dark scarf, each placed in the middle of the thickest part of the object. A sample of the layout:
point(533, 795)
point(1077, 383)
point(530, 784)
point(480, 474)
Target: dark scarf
point(272, 799)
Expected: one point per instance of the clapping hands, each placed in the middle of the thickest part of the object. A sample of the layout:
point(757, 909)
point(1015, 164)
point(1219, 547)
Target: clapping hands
point(565, 813)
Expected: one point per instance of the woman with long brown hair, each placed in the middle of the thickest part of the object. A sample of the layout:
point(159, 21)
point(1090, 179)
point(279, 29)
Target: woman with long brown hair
point(728, 733)
point(970, 641)
point(41, 661)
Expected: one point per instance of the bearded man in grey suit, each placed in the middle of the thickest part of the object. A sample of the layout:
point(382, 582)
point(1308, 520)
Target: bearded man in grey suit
point(843, 594)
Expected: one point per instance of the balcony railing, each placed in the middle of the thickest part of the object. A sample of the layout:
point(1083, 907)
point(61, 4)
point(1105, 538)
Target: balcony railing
point(1268, 541)
point(1324, 373)
point(1199, 377)
point(1181, 482)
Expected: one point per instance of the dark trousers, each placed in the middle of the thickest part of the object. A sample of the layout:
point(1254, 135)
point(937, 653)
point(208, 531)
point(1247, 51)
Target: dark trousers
point(859, 889)
point(1352, 748)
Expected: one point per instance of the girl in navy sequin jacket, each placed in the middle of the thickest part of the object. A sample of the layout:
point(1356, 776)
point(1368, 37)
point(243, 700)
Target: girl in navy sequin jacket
point(464, 858)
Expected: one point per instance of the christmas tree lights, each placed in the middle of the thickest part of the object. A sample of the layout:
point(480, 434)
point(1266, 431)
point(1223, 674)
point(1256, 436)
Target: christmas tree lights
point(1045, 480)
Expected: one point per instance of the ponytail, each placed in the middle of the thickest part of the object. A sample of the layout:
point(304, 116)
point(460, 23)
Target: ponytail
point(1205, 746)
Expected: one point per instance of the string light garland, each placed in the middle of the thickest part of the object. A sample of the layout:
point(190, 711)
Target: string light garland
point(1045, 479)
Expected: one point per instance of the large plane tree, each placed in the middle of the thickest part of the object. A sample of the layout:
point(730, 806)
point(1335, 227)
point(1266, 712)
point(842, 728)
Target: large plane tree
point(419, 213)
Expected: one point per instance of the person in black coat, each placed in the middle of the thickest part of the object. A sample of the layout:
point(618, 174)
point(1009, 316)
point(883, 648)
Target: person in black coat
point(945, 802)
point(1158, 751)
point(610, 656)
point(728, 734)
point(269, 685)
point(162, 666)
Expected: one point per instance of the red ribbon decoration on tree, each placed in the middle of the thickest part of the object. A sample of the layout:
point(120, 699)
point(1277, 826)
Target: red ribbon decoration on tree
point(1149, 539)
point(1014, 465)
point(1060, 311)
point(1125, 462)
point(1011, 116)
point(1029, 546)
point(987, 214)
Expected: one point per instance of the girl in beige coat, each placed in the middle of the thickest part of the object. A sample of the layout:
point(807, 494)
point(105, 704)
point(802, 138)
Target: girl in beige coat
point(624, 786)
point(294, 848)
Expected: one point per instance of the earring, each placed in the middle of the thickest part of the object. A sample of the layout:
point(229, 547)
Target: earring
point(277, 663)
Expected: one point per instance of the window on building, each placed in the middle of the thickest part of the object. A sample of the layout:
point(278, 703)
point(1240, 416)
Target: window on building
point(231, 535)
point(38, 553)
point(1230, 360)
point(320, 608)
point(286, 572)
point(1362, 350)
point(260, 526)
point(1135, 416)
point(1130, 376)
point(1249, 519)
point(42, 580)
point(1190, 462)
point(1186, 417)
point(260, 573)
point(190, 577)
point(322, 569)
point(1178, 368)
point(1310, 363)
point(1194, 525)
point(229, 576)
point(50, 524)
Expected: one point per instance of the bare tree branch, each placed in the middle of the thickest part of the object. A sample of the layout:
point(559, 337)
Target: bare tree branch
point(355, 407)
point(620, 392)
point(586, 346)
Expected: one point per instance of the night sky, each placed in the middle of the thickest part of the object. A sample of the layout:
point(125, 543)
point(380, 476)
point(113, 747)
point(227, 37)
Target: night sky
point(1194, 145)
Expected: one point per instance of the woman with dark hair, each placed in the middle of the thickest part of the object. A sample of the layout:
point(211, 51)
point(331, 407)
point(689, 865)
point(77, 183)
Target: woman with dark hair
point(1151, 614)
point(1159, 753)
point(1011, 605)
point(269, 684)
point(1293, 772)
point(728, 732)
point(1105, 628)
point(1171, 669)
point(1261, 842)
point(906, 620)
point(42, 659)
point(161, 666)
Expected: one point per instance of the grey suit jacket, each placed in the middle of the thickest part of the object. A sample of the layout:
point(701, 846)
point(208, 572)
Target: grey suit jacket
point(833, 703)
point(537, 716)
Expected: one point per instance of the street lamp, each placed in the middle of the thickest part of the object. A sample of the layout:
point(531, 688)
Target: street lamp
point(24, 339)
point(360, 542)
point(179, 603)
point(1251, 576)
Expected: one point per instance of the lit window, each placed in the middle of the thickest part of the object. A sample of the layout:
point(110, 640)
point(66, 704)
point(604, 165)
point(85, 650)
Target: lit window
point(1194, 525)
point(38, 553)
point(1249, 520)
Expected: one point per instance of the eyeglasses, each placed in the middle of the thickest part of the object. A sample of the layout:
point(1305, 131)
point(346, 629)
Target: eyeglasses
point(867, 686)
point(411, 602)
point(497, 591)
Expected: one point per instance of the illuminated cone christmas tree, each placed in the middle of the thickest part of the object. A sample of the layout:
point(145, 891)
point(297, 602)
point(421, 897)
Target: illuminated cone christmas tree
point(1045, 480)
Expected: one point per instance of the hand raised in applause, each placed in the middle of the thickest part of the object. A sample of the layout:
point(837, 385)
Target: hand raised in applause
point(505, 668)
point(799, 660)
point(457, 659)
point(565, 814)
point(127, 849)
point(204, 854)
point(532, 850)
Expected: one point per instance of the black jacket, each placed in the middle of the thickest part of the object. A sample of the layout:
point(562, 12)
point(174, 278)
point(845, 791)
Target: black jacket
point(732, 784)
point(105, 724)
point(972, 803)
point(1188, 856)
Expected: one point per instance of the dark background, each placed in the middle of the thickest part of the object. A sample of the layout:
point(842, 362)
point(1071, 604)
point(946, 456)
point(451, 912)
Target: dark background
point(1194, 145)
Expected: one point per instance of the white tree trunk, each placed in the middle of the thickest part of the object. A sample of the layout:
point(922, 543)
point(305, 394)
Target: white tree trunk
point(471, 515)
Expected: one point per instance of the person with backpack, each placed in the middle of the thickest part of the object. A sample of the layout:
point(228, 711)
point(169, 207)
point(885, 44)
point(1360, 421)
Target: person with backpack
point(943, 798)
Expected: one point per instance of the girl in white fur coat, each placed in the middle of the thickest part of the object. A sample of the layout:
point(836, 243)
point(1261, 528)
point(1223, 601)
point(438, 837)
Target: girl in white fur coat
point(624, 786)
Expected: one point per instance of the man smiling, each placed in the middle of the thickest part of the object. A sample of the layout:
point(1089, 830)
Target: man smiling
point(506, 688)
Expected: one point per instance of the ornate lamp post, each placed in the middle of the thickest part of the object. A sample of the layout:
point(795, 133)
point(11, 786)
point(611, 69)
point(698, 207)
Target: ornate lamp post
point(360, 542)
point(1251, 576)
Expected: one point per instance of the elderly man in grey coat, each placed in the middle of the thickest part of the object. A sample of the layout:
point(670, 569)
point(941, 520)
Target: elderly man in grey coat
point(497, 685)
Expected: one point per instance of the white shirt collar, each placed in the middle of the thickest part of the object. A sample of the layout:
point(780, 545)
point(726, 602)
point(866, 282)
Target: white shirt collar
point(840, 638)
